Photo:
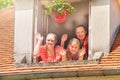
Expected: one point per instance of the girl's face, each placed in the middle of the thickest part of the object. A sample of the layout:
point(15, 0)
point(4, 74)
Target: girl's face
point(50, 41)
point(73, 47)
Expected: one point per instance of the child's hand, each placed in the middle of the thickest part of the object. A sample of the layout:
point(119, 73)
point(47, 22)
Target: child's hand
point(63, 52)
point(82, 52)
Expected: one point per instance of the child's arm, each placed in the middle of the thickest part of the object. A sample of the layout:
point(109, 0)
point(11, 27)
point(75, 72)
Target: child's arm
point(63, 39)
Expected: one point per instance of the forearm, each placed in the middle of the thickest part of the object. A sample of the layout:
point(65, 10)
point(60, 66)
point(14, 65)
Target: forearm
point(37, 48)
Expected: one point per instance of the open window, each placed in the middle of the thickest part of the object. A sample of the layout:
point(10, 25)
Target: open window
point(45, 24)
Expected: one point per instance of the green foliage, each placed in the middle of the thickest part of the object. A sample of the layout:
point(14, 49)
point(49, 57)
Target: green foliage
point(59, 6)
point(5, 3)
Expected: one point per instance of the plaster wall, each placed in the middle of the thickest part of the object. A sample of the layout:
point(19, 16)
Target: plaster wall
point(99, 34)
point(23, 29)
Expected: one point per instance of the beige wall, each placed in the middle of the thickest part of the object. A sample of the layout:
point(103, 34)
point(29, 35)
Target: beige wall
point(23, 29)
point(99, 26)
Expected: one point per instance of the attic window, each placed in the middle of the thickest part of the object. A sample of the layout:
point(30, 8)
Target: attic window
point(45, 23)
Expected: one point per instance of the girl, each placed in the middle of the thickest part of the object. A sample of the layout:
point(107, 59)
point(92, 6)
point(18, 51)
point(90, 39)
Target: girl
point(73, 52)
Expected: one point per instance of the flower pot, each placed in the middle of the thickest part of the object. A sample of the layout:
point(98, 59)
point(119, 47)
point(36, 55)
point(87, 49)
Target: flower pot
point(61, 17)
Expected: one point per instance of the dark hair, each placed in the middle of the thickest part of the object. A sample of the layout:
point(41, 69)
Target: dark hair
point(85, 28)
point(82, 26)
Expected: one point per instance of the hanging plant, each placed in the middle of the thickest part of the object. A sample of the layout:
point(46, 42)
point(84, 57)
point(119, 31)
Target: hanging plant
point(60, 9)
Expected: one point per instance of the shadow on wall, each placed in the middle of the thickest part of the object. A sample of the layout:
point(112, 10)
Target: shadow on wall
point(117, 31)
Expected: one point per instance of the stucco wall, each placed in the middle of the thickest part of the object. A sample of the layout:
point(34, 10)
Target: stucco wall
point(23, 29)
point(99, 26)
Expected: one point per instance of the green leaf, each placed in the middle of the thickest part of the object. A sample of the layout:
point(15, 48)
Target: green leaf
point(5, 3)
point(59, 6)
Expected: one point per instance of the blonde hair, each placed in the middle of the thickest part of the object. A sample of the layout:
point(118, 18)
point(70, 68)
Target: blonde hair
point(70, 42)
point(75, 40)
